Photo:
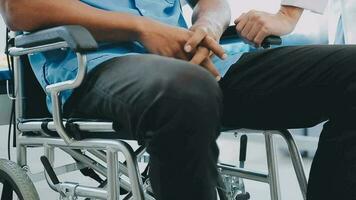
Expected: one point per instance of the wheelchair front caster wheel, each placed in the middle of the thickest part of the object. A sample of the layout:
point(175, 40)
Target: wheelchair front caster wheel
point(15, 182)
point(245, 196)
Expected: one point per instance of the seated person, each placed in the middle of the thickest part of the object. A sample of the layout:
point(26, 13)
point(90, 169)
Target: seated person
point(156, 79)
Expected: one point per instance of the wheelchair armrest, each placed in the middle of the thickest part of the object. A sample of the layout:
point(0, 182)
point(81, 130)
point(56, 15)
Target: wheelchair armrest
point(231, 33)
point(77, 38)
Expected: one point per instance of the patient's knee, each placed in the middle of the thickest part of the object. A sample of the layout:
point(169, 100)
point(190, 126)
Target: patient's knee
point(189, 83)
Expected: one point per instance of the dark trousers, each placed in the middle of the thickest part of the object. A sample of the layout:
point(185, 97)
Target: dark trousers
point(177, 108)
point(294, 87)
point(173, 105)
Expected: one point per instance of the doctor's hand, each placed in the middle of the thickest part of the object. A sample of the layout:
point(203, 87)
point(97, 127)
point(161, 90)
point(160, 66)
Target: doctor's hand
point(255, 26)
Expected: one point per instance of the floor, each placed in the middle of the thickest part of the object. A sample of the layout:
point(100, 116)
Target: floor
point(229, 146)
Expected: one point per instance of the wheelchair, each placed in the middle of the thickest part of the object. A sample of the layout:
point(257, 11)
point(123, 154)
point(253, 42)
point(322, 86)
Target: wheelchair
point(93, 143)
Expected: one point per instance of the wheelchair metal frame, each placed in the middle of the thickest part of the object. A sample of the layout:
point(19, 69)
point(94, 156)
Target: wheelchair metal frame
point(104, 149)
point(272, 176)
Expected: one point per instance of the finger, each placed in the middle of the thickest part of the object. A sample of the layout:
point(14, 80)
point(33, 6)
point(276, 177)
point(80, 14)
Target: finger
point(253, 33)
point(183, 56)
point(246, 30)
point(260, 37)
point(209, 65)
point(215, 47)
point(193, 42)
point(211, 54)
point(241, 23)
point(239, 18)
point(180, 54)
point(201, 54)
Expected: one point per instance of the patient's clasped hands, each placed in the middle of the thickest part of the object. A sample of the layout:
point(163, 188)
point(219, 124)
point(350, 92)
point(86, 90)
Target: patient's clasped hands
point(196, 45)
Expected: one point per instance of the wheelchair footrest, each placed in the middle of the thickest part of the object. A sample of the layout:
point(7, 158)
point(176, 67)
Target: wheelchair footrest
point(49, 169)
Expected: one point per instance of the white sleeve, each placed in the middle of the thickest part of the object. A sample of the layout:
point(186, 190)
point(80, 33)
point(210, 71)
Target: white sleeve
point(317, 6)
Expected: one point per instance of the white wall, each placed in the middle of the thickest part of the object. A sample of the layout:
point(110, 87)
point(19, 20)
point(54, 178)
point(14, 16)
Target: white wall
point(240, 6)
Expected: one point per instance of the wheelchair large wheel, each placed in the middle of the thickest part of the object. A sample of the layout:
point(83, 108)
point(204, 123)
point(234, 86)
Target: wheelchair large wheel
point(15, 183)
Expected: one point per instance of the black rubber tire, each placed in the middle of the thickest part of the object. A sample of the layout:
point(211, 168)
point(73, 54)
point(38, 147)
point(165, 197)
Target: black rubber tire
point(245, 196)
point(20, 182)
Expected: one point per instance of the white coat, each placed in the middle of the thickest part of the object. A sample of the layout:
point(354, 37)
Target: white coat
point(342, 17)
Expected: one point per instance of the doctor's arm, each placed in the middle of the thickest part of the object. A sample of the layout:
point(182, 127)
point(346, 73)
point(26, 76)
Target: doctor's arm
point(212, 15)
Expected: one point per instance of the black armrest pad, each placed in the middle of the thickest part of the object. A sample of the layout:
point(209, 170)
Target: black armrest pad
point(78, 38)
point(231, 33)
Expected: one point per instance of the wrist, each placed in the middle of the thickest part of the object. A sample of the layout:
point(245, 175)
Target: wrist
point(210, 28)
point(291, 14)
point(140, 27)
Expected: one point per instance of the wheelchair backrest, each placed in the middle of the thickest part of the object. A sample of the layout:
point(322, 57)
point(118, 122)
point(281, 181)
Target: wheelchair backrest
point(34, 100)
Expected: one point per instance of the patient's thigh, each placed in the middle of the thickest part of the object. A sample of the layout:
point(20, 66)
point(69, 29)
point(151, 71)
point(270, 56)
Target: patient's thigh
point(289, 87)
point(121, 79)
point(134, 90)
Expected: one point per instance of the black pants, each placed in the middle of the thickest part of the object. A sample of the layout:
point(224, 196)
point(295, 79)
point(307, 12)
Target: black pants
point(174, 105)
point(177, 106)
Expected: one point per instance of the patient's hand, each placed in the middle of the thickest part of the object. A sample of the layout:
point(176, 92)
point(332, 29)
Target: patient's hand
point(255, 26)
point(164, 40)
point(170, 41)
point(204, 43)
